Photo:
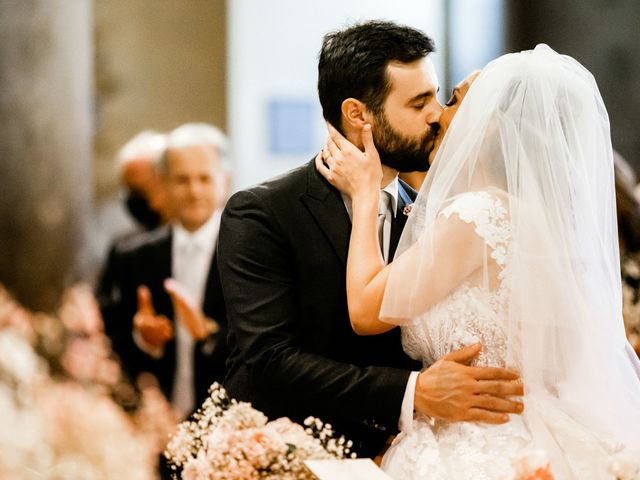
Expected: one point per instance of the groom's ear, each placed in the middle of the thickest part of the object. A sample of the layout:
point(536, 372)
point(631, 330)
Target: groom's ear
point(354, 114)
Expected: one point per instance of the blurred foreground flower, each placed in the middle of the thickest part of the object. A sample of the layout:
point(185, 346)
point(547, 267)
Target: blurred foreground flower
point(58, 379)
point(59, 430)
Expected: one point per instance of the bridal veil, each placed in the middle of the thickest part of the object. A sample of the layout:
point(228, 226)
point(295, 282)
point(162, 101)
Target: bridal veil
point(533, 130)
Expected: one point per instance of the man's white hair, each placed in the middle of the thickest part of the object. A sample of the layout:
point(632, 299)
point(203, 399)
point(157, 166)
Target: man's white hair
point(197, 134)
point(146, 144)
point(193, 134)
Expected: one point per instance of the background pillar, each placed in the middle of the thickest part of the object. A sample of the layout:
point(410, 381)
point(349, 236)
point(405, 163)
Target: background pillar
point(45, 146)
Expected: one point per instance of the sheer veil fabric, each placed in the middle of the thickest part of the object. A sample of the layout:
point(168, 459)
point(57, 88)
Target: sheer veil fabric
point(533, 132)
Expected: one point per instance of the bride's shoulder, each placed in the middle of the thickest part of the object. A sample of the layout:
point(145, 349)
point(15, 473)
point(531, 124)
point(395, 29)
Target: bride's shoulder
point(480, 206)
point(486, 212)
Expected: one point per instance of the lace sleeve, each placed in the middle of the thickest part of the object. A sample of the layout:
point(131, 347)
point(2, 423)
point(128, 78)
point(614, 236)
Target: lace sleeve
point(490, 217)
point(453, 250)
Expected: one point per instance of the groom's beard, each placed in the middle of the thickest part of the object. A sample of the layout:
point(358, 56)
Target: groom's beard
point(404, 154)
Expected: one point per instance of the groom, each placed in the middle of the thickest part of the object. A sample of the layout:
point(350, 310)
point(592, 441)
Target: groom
point(282, 257)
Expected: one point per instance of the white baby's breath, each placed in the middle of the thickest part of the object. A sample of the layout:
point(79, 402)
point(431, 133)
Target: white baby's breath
point(18, 362)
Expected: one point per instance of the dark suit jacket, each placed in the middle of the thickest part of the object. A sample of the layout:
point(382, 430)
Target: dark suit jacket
point(146, 260)
point(282, 255)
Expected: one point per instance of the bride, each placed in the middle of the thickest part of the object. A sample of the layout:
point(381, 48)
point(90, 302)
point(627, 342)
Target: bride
point(512, 242)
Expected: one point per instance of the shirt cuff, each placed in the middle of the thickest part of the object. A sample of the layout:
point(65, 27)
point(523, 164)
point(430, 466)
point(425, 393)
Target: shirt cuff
point(151, 350)
point(405, 424)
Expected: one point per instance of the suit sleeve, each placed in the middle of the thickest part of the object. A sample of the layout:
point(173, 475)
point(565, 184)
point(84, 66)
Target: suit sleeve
point(256, 266)
point(110, 299)
point(117, 299)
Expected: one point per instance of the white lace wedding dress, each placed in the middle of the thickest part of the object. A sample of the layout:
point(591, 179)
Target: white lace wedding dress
point(437, 450)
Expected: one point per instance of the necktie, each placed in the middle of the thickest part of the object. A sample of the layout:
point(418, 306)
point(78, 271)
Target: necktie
point(384, 223)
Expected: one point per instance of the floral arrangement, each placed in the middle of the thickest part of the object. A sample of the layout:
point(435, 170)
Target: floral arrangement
point(536, 466)
point(533, 466)
point(631, 299)
point(229, 440)
point(58, 382)
point(540, 473)
point(623, 467)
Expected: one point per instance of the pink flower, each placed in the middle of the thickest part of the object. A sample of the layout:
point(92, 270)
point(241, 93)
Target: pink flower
point(407, 209)
point(80, 312)
point(534, 466)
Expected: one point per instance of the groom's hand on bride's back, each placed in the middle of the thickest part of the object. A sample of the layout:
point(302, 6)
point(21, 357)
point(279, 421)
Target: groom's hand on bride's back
point(452, 390)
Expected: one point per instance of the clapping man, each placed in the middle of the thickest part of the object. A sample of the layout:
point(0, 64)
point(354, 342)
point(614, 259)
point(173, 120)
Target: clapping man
point(165, 310)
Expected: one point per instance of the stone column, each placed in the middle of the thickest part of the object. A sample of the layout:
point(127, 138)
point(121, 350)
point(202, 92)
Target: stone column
point(45, 146)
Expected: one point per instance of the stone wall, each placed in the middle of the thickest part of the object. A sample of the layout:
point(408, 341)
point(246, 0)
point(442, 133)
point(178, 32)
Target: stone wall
point(159, 63)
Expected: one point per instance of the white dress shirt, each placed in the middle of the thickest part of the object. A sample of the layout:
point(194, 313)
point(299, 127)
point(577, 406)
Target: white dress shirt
point(191, 254)
point(406, 412)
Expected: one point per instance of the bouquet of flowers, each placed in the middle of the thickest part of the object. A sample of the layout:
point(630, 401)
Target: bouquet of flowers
point(231, 440)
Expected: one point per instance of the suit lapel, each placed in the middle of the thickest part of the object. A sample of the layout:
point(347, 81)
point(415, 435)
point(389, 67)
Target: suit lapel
point(406, 196)
point(164, 254)
point(213, 289)
point(209, 282)
point(327, 208)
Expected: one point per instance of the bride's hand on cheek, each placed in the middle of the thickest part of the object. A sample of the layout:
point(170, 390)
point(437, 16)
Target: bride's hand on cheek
point(347, 168)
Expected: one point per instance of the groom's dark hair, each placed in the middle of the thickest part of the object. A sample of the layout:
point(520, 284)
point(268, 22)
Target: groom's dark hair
point(353, 63)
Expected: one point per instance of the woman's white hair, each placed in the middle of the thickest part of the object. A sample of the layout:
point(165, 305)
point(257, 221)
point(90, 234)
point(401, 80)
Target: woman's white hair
point(146, 144)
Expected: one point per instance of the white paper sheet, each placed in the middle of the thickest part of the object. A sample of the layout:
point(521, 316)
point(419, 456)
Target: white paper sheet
point(353, 469)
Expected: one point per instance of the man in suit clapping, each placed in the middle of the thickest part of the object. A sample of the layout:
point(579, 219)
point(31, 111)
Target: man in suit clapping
point(164, 312)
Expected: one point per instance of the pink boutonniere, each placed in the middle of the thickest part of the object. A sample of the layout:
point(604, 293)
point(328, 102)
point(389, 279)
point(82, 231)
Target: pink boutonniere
point(407, 209)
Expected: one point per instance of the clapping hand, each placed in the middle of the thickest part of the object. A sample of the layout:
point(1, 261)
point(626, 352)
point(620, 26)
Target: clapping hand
point(156, 330)
point(452, 390)
point(188, 312)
